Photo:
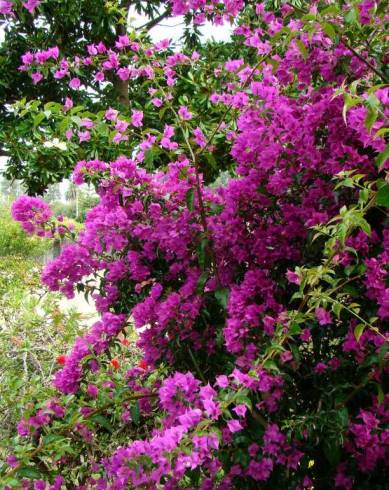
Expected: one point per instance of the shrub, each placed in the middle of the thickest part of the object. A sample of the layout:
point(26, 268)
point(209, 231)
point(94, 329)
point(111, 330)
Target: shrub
point(260, 302)
point(13, 241)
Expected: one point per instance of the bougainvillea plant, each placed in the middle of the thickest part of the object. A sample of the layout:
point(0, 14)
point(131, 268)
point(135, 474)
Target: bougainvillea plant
point(260, 303)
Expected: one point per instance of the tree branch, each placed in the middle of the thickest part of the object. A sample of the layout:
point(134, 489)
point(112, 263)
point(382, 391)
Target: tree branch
point(153, 22)
point(121, 86)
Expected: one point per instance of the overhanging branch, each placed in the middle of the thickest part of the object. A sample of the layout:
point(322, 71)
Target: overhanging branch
point(153, 22)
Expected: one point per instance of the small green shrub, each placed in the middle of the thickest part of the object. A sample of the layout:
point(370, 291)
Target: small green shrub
point(13, 240)
point(33, 333)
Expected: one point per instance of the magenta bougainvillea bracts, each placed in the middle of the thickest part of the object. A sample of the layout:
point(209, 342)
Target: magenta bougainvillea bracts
point(259, 301)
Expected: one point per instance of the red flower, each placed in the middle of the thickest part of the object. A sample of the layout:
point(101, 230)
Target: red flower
point(115, 363)
point(125, 342)
point(61, 360)
point(142, 364)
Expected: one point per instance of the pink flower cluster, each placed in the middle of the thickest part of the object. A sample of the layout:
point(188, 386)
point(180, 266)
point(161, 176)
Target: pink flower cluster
point(369, 435)
point(32, 213)
point(203, 9)
point(188, 404)
point(145, 463)
point(44, 416)
point(6, 6)
point(95, 342)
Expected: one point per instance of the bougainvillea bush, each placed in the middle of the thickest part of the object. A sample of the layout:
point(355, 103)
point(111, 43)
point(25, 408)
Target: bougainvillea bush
point(261, 303)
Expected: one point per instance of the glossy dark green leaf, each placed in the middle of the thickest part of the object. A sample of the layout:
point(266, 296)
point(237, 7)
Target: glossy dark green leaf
point(222, 296)
point(190, 195)
point(383, 196)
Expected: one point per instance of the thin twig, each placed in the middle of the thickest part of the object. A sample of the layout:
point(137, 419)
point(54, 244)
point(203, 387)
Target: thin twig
point(153, 22)
point(196, 366)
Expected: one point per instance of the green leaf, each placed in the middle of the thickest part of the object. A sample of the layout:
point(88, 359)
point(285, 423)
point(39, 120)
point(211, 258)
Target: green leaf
point(12, 482)
point(381, 132)
point(33, 106)
point(332, 452)
point(162, 112)
point(342, 416)
point(354, 86)
point(348, 182)
point(63, 125)
point(371, 118)
point(103, 421)
point(303, 50)
point(50, 438)
point(331, 9)
point(358, 331)
point(190, 198)
point(77, 109)
point(135, 413)
point(52, 106)
point(373, 104)
point(211, 160)
point(245, 400)
point(308, 17)
point(149, 158)
point(222, 296)
point(201, 282)
point(202, 252)
point(297, 295)
point(296, 353)
point(337, 308)
point(329, 30)
point(364, 195)
point(382, 157)
point(380, 394)
point(349, 102)
point(365, 226)
point(38, 119)
point(294, 328)
point(270, 365)
point(352, 16)
point(29, 472)
point(373, 101)
point(383, 196)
